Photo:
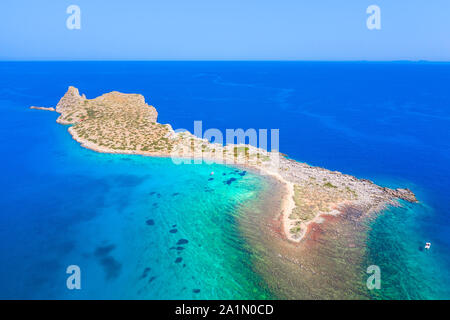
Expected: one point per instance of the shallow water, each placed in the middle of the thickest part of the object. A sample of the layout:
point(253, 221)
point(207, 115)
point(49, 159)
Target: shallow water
point(138, 227)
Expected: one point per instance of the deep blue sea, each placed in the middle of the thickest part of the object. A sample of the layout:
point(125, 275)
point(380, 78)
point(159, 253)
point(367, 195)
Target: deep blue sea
point(120, 218)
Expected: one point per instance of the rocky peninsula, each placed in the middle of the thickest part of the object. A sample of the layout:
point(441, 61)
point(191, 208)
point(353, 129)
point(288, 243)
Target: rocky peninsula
point(124, 123)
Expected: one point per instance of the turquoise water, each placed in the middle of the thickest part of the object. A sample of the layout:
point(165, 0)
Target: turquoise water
point(396, 244)
point(62, 204)
point(124, 220)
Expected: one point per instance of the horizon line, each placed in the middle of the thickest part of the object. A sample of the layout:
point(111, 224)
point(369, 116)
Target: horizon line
point(220, 60)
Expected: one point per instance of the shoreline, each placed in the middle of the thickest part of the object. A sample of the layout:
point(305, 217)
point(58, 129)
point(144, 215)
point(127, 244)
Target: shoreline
point(287, 205)
point(310, 192)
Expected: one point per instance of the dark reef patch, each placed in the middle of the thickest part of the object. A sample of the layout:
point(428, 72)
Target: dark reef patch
point(196, 291)
point(128, 180)
point(182, 241)
point(178, 260)
point(145, 272)
point(111, 267)
point(103, 251)
point(150, 222)
point(229, 181)
point(173, 231)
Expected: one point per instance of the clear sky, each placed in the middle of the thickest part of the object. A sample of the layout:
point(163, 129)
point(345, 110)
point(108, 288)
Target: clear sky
point(225, 30)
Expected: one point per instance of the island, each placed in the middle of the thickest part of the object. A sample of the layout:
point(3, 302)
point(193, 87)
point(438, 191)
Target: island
point(124, 123)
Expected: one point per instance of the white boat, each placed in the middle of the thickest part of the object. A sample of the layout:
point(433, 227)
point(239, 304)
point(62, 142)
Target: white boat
point(427, 245)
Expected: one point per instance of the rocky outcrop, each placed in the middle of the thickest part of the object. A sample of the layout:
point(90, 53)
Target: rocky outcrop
point(43, 108)
point(400, 193)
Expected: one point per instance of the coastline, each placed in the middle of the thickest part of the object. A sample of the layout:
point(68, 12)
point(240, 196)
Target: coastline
point(328, 192)
point(326, 264)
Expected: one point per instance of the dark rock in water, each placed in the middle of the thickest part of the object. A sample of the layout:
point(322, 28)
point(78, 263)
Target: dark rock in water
point(152, 193)
point(180, 248)
point(196, 291)
point(175, 194)
point(174, 226)
point(229, 181)
point(404, 194)
point(184, 265)
point(151, 279)
point(178, 260)
point(172, 248)
point(158, 195)
point(145, 273)
point(128, 180)
point(150, 222)
point(182, 241)
point(210, 179)
point(224, 174)
point(104, 250)
point(111, 267)
point(155, 204)
point(173, 231)
point(243, 173)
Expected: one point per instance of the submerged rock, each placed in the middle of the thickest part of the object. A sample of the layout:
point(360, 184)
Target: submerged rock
point(104, 250)
point(400, 193)
point(182, 241)
point(229, 181)
point(111, 267)
point(145, 273)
